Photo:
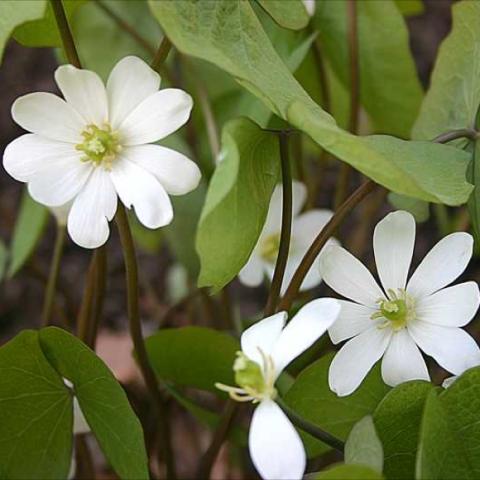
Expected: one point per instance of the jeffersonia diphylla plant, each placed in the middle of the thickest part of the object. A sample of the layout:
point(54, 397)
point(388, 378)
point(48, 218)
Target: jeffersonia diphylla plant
point(259, 142)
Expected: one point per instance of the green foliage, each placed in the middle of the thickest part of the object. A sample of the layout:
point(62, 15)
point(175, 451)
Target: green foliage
point(410, 7)
point(43, 32)
point(419, 209)
point(311, 397)
point(211, 30)
point(287, 13)
point(31, 221)
point(474, 200)
point(36, 415)
point(13, 14)
point(102, 400)
point(363, 447)
point(397, 421)
point(450, 432)
point(237, 201)
point(193, 357)
point(382, 36)
point(350, 472)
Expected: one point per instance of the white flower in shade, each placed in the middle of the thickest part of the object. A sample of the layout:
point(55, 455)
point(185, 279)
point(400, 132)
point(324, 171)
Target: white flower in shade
point(310, 7)
point(96, 144)
point(305, 227)
point(394, 322)
point(61, 213)
point(267, 348)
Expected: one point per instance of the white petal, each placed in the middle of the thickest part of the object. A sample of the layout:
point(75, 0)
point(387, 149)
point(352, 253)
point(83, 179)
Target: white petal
point(262, 335)
point(452, 307)
point(452, 348)
point(48, 115)
point(177, 173)
point(28, 155)
point(309, 7)
point(356, 358)
point(130, 82)
point(348, 276)
point(156, 117)
point(59, 183)
point(442, 265)
point(305, 328)
point(80, 424)
point(252, 274)
point(393, 242)
point(91, 211)
point(275, 446)
point(138, 188)
point(352, 320)
point(61, 213)
point(85, 92)
point(403, 361)
point(448, 382)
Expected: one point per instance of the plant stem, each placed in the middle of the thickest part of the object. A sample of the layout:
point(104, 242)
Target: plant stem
point(65, 33)
point(161, 54)
point(310, 428)
point(345, 169)
point(208, 458)
point(86, 308)
point(99, 294)
point(53, 275)
point(286, 231)
point(446, 137)
point(137, 336)
point(320, 241)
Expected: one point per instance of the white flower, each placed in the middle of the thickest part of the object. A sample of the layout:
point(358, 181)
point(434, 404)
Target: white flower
point(310, 7)
point(267, 348)
point(96, 144)
point(305, 227)
point(61, 213)
point(403, 317)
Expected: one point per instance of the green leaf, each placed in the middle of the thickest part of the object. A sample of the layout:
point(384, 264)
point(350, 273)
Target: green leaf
point(29, 227)
point(237, 201)
point(287, 13)
point(13, 14)
point(3, 259)
point(102, 400)
point(397, 421)
point(454, 95)
point(43, 32)
point(311, 397)
point(363, 447)
point(36, 413)
point(474, 200)
point(450, 432)
point(410, 7)
point(418, 208)
point(193, 357)
point(228, 34)
point(102, 43)
point(389, 90)
point(349, 472)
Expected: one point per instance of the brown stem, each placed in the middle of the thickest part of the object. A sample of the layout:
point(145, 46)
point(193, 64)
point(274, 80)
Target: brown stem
point(161, 54)
point(65, 33)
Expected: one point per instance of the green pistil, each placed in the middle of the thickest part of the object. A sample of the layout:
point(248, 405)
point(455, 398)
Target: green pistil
point(270, 247)
point(248, 374)
point(398, 310)
point(100, 145)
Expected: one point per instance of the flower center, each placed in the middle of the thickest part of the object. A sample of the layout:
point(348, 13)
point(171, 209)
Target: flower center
point(100, 145)
point(397, 311)
point(254, 383)
point(270, 247)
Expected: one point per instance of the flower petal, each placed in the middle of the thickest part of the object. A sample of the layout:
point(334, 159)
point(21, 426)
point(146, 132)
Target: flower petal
point(130, 82)
point(91, 211)
point(348, 276)
point(352, 320)
point(275, 446)
point(253, 272)
point(135, 186)
point(48, 115)
point(305, 328)
point(356, 358)
point(442, 265)
point(156, 117)
point(177, 173)
point(28, 155)
point(393, 242)
point(451, 307)
point(403, 361)
point(80, 424)
point(84, 91)
point(262, 335)
point(452, 348)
